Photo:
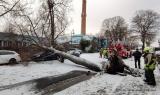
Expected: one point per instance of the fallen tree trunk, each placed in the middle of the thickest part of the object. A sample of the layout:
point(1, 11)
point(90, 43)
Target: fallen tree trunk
point(76, 60)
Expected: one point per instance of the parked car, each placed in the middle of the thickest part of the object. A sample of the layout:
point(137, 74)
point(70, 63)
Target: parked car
point(75, 52)
point(7, 56)
point(46, 56)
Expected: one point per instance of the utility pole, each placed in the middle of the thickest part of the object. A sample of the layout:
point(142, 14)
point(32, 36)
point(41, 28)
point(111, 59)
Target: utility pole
point(83, 18)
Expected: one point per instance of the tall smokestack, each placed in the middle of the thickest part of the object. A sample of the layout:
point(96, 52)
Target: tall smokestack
point(83, 18)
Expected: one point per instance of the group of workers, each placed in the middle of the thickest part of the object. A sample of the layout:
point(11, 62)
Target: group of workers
point(116, 64)
point(150, 64)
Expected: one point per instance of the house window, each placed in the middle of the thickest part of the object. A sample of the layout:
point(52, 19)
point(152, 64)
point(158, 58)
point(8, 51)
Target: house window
point(6, 53)
point(9, 43)
point(0, 43)
point(16, 43)
point(5, 44)
point(24, 44)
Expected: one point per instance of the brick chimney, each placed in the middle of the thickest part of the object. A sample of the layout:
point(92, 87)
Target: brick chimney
point(83, 18)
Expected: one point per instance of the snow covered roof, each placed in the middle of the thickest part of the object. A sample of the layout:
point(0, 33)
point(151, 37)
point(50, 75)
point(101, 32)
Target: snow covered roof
point(75, 38)
point(63, 39)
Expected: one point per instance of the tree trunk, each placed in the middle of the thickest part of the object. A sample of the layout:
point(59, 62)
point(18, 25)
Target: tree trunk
point(51, 14)
point(77, 60)
point(52, 28)
point(143, 46)
point(143, 43)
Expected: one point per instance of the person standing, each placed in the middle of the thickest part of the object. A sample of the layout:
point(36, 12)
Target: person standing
point(137, 57)
point(150, 64)
point(101, 52)
point(105, 53)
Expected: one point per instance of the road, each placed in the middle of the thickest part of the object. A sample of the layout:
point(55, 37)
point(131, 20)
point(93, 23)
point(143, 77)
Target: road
point(41, 78)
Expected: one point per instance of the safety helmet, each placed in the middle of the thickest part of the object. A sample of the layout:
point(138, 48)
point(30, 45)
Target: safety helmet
point(148, 50)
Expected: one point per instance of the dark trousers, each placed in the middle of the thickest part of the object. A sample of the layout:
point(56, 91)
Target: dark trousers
point(137, 60)
point(150, 79)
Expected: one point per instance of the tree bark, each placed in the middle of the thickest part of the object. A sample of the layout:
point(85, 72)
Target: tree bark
point(143, 42)
point(77, 60)
point(143, 45)
point(51, 14)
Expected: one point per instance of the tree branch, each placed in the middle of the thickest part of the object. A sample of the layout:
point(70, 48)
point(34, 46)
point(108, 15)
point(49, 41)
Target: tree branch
point(9, 9)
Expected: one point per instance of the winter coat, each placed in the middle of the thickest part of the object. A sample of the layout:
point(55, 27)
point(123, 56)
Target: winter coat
point(105, 52)
point(150, 60)
point(137, 54)
point(101, 52)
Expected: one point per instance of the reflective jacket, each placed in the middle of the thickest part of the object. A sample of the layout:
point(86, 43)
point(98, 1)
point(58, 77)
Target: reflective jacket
point(151, 62)
point(105, 52)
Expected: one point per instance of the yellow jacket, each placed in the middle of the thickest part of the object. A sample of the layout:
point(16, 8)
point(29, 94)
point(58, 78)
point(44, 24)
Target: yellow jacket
point(151, 62)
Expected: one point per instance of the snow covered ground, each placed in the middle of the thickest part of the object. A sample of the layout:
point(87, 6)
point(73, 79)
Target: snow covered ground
point(105, 84)
point(19, 73)
point(10, 75)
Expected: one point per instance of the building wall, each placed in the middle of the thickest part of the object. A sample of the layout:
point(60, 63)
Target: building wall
point(12, 44)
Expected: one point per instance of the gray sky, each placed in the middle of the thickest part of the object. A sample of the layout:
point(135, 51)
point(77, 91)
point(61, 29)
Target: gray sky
point(98, 10)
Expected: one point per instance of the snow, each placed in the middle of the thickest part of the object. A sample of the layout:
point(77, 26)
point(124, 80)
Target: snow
point(104, 84)
point(19, 73)
point(93, 57)
point(90, 87)
point(107, 84)
point(22, 90)
point(157, 52)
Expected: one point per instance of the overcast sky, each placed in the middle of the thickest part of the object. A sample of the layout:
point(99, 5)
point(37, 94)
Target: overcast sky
point(98, 10)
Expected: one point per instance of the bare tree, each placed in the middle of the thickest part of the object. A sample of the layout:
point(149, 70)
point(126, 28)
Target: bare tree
point(56, 13)
point(50, 23)
point(115, 28)
point(133, 41)
point(146, 22)
point(6, 6)
point(51, 20)
point(41, 25)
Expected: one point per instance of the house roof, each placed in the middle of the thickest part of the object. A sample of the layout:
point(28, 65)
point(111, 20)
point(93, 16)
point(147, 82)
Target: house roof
point(5, 36)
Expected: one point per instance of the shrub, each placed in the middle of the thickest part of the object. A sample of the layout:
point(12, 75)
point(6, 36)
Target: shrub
point(84, 44)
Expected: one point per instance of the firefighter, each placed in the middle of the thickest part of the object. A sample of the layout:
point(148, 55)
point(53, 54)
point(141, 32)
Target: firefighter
point(105, 53)
point(101, 52)
point(150, 64)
